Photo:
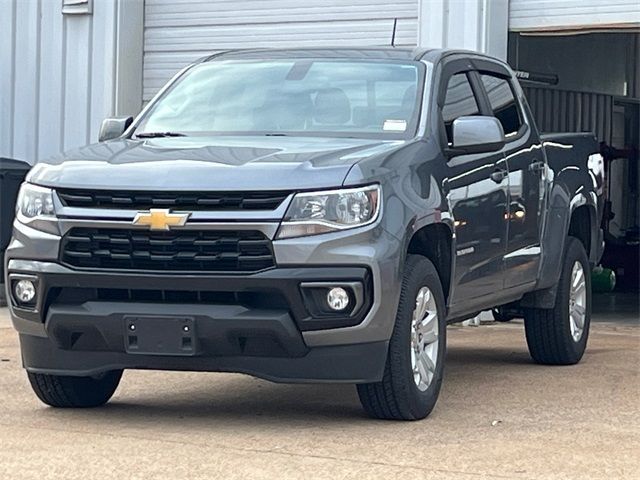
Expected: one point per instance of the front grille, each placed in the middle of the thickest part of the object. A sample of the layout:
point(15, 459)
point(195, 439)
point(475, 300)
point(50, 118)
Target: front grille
point(212, 201)
point(184, 250)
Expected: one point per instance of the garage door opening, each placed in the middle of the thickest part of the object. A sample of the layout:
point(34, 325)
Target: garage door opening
point(597, 89)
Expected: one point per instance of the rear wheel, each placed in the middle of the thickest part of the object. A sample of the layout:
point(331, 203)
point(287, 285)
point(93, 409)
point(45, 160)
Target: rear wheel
point(414, 369)
point(558, 336)
point(75, 392)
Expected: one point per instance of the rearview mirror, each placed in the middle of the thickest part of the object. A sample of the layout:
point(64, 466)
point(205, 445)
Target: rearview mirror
point(477, 134)
point(113, 127)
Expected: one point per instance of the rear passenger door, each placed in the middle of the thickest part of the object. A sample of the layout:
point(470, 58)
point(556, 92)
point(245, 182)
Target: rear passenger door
point(526, 164)
point(477, 201)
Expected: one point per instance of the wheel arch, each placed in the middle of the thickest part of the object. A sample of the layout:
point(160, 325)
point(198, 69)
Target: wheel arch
point(576, 220)
point(435, 242)
point(582, 226)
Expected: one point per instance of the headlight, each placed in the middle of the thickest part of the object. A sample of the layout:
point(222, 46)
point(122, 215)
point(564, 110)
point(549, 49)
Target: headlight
point(311, 213)
point(34, 201)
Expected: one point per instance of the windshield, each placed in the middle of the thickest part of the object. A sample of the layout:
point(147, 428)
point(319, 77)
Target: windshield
point(295, 97)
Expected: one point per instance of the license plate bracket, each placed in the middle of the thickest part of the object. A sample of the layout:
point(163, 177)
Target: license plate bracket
point(159, 335)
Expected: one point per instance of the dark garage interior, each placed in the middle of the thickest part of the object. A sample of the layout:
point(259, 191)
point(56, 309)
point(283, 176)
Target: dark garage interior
point(592, 83)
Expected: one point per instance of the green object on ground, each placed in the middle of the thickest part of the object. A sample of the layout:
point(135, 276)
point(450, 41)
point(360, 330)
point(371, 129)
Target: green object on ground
point(603, 279)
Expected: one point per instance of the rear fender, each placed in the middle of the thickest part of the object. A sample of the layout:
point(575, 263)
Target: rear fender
point(554, 241)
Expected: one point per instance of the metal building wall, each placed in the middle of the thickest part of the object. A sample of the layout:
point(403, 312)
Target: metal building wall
point(566, 111)
point(178, 32)
point(62, 74)
point(479, 25)
point(554, 15)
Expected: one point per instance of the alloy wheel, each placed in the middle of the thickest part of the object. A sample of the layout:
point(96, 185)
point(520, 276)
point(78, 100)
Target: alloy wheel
point(424, 339)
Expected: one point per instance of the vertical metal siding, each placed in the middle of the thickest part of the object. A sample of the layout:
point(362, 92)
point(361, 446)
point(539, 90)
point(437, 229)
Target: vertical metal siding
point(179, 32)
point(27, 39)
point(7, 76)
point(554, 15)
point(59, 76)
point(50, 135)
point(566, 111)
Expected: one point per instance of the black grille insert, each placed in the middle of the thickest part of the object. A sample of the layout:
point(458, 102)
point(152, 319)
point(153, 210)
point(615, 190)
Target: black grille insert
point(183, 250)
point(139, 200)
point(262, 299)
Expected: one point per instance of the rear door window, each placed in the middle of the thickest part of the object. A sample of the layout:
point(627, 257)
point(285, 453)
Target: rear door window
point(503, 103)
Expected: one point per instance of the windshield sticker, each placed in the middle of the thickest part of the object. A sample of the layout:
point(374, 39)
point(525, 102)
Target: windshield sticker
point(394, 125)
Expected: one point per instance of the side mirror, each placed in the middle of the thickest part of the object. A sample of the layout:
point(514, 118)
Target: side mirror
point(477, 134)
point(113, 127)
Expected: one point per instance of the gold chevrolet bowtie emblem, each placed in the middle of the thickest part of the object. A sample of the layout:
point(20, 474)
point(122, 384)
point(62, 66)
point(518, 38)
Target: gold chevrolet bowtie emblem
point(160, 219)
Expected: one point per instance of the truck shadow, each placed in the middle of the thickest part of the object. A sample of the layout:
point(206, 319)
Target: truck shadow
point(208, 400)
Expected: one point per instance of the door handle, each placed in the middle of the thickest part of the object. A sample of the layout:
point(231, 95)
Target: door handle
point(498, 176)
point(537, 166)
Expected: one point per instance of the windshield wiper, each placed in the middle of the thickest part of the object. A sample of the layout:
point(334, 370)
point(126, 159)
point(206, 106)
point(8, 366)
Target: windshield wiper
point(275, 134)
point(159, 134)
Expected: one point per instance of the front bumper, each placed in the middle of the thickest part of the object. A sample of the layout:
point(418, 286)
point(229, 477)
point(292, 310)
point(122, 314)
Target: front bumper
point(78, 324)
point(359, 363)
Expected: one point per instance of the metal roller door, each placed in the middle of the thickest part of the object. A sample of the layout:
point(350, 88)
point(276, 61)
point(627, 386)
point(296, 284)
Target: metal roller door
point(177, 32)
point(567, 15)
point(565, 111)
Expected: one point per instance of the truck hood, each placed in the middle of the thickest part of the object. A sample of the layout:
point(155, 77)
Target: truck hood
point(209, 163)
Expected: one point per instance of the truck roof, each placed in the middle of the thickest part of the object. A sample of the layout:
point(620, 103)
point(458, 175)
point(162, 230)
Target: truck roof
point(381, 53)
point(361, 53)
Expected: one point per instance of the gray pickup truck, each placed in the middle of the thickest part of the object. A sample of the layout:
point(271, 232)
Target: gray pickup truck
point(306, 215)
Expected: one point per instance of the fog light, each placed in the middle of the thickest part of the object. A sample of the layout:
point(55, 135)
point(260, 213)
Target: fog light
point(338, 298)
point(25, 291)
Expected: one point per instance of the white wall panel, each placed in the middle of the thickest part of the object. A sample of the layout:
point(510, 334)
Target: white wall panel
point(102, 58)
point(61, 74)
point(179, 32)
point(77, 85)
point(7, 75)
point(563, 15)
point(27, 39)
point(52, 71)
point(479, 25)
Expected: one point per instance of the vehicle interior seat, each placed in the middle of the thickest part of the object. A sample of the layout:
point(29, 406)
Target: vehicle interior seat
point(376, 116)
point(331, 107)
point(290, 111)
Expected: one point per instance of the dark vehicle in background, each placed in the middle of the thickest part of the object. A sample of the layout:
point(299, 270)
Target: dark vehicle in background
point(12, 174)
point(306, 216)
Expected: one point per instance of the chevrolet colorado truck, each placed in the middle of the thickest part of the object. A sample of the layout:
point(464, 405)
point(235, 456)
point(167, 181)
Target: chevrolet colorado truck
point(306, 215)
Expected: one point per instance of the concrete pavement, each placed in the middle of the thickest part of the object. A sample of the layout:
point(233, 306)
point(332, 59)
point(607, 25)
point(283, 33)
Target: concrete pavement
point(499, 416)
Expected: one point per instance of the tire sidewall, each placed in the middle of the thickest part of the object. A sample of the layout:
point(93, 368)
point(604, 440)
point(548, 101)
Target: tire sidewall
point(575, 252)
point(419, 273)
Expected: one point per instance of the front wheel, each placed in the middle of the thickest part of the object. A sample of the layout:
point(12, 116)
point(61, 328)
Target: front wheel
point(558, 336)
point(75, 392)
point(413, 373)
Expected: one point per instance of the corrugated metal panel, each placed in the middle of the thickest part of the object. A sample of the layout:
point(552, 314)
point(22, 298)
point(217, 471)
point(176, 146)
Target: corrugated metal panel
point(58, 76)
point(554, 15)
point(566, 111)
point(179, 32)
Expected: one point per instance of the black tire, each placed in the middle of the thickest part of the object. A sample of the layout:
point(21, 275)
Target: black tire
point(548, 331)
point(397, 396)
point(500, 316)
point(75, 392)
